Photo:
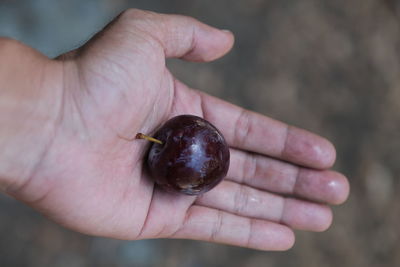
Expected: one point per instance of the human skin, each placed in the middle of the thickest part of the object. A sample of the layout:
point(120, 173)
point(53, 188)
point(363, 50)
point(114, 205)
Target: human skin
point(63, 149)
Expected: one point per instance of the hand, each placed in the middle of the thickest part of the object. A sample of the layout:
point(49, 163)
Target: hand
point(91, 180)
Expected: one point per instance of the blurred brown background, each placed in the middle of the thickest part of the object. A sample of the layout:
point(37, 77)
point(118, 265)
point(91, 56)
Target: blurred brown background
point(328, 66)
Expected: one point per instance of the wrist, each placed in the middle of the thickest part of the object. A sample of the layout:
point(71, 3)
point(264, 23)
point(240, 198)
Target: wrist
point(29, 106)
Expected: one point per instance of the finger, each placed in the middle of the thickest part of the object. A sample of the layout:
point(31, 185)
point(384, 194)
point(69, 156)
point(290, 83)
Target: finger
point(254, 132)
point(281, 177)
point(179, 36)
point(249, 202)
point(213, 225)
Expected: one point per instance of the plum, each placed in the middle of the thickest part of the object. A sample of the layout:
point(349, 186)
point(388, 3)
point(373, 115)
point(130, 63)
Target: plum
point(188, 155)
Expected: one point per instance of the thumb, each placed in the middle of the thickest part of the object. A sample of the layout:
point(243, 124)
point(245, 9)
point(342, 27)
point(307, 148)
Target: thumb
point(176, 36)
point(182, 36)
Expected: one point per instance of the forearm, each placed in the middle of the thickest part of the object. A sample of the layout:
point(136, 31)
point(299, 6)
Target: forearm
point(27, 111)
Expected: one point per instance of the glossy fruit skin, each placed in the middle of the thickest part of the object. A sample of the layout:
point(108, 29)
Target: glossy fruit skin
point(193, 158)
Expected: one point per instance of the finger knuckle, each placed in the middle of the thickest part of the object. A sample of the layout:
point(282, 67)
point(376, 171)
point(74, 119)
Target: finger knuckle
point(243, 128)
point(250, 168)
point(241, 200)
point(217, 227)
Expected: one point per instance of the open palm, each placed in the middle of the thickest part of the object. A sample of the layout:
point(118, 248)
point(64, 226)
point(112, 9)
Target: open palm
point(92, 179)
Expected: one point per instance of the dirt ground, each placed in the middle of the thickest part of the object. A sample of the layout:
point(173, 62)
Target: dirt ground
point(328, 66)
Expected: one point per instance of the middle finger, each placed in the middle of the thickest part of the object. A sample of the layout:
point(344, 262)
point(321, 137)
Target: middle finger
point(281, 177)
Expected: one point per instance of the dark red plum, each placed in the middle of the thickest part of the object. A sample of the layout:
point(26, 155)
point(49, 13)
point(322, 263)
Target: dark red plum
point(193, 156)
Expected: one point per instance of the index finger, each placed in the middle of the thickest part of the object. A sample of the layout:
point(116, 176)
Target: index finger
point(254, 132)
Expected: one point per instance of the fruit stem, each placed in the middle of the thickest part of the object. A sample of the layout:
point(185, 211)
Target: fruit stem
point(149, 138)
